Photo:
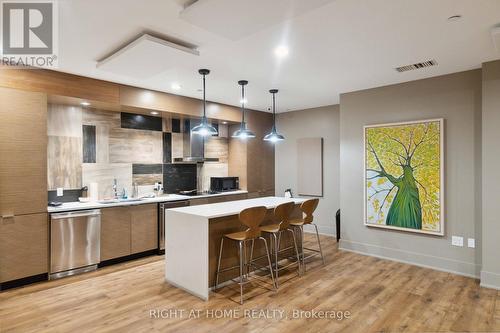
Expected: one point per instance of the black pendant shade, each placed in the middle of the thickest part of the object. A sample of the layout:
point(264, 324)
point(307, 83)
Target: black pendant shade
point(274, 136)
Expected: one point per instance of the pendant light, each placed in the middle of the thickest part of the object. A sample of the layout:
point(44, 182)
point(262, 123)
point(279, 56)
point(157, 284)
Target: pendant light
point(274, 136)
point(243, 132)
point(204, 129)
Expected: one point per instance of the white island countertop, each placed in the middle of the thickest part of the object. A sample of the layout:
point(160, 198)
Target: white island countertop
point(215, 210)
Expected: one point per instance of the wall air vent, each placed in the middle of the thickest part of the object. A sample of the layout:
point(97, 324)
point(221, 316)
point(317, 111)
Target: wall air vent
point(419, 65)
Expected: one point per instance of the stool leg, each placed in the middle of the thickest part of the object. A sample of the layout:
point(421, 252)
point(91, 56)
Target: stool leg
point(251, 257)
point(241, 270)
point(276, 273)
point(270, 265)
point(218, 264)
point(245, 268)
point(319, 243)
point(302, 246)
point(296, 251)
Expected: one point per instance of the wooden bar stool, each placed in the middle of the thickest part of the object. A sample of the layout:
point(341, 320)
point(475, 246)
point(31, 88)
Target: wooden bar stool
point(252, 218)
point(307, 207)
point(282, 215)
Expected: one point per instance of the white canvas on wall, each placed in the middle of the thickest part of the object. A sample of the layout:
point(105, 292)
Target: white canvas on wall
point(310, 166)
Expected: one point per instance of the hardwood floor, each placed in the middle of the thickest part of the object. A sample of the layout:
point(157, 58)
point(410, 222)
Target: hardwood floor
point(381, 296)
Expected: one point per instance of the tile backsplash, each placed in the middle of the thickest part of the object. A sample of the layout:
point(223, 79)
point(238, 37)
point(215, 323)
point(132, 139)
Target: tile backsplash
point(94, 146)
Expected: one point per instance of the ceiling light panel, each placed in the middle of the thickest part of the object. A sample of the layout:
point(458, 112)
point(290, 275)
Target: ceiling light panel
point(246, 17)
point(146, 57)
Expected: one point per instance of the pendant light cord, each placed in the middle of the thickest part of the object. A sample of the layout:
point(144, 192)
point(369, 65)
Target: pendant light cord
point(242, 104)
point(274, 111)
point(204, 99)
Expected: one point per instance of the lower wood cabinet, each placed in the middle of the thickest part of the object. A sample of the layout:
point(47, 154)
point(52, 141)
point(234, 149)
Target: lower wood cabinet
point(115, 232)
point(128, 230)
point(144, 228)
point(23, 246)
point(228, 197)
point(198, 201)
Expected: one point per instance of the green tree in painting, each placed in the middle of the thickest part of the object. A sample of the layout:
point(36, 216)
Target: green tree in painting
point(405, 156)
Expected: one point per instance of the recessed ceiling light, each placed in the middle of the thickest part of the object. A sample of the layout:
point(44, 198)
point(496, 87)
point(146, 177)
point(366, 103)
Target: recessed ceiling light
point(224, 122)
point(281, 51)
point(454, 18)
point(154, 113)
point(176, 86)
point(84, 103)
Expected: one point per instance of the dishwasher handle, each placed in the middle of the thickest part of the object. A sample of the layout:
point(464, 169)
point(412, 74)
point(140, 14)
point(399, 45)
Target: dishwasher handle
point(82, 213)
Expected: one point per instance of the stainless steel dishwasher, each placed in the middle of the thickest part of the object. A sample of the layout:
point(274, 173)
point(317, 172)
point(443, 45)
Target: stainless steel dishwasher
point(75, 242)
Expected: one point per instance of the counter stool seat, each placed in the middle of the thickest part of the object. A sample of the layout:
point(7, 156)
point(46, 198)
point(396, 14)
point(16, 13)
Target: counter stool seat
point(270, 228)
point(297, 222)
point(237, 236)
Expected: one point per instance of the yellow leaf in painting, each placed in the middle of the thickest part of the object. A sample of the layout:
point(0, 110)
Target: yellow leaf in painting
point(369, 184)
point(380, 181)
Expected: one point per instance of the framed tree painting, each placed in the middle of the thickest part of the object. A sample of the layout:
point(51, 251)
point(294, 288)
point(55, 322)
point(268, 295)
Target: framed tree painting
point(403, 176)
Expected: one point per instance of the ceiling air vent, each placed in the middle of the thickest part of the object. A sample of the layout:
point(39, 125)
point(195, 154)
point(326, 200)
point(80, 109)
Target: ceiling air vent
point(419, 65)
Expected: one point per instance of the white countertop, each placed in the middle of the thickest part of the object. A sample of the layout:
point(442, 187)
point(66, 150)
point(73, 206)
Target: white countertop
point(233, 207)
point(71, 206)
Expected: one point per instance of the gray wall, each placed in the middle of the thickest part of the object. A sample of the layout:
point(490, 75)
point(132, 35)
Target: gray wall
point(457, 99)
point(319, 122)
point(490, 274)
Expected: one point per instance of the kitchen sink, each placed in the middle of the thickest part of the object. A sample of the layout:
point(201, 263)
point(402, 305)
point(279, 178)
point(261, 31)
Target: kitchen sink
point(130, 200)
point(119, 200)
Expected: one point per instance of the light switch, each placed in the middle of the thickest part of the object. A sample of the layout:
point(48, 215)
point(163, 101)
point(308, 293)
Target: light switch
point(60, 192)
point(457, 241)
point(471, 242)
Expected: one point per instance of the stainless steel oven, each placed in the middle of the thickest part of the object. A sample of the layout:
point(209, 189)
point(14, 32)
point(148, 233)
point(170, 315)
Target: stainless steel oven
point(161, 220)
point(75, 241)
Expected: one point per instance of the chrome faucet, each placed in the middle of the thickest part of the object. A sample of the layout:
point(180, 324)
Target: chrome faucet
point(115, 188)
point(135, 191)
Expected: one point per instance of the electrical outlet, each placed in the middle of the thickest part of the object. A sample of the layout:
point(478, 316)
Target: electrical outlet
point(471, 242)
point(60, 191)
point(457, 241)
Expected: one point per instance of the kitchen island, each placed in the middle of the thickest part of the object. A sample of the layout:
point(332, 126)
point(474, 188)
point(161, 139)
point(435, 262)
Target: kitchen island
point(192, 238)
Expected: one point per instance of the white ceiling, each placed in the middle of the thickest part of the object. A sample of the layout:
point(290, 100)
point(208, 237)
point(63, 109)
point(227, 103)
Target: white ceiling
point(336, 46)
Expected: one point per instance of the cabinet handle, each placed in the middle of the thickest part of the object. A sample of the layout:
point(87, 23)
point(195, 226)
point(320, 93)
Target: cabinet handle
point(10, 216)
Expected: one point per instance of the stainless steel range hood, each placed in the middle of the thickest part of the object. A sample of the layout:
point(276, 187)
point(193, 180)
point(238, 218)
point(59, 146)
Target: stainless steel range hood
point(194, 145)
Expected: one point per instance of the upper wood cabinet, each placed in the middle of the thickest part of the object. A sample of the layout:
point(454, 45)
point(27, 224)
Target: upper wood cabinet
point(144, 228)
point(253, 160)
point(23, 246)
point(23, 152)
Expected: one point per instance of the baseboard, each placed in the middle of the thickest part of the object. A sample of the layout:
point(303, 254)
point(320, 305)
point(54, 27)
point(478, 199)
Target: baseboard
point(322, 229)
point(23, 281)
point(127, 258)
point(412, 258)
point(490, 280)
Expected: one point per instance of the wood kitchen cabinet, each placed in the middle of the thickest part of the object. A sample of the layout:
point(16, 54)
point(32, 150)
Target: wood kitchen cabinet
point(23, 185)
point(115, 232)
point(253, 160)
point(23, 152)
point(144, 228)
point(198, 201)
point(23, 246)
point(128, 230)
